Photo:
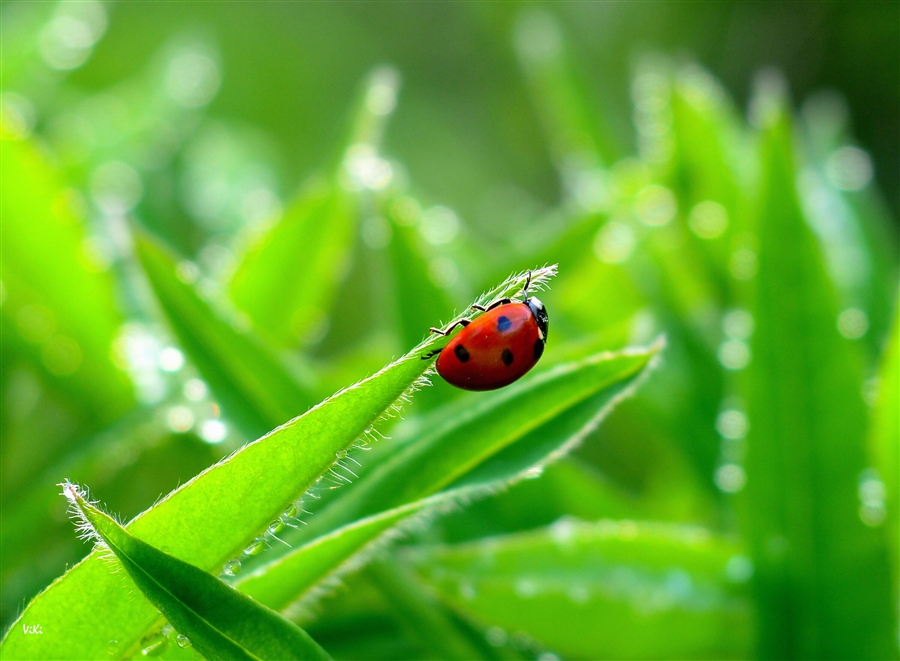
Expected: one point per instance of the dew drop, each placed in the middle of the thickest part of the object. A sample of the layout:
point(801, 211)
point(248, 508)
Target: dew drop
point(170, 359)
point(734, 354)
point(183, 641)
point(738, 324)
point(731, 478)
point(112, 647)
point(852, 323)
point(579, 594)
point(615, 242)
point(290, 512)
point(231, 568)
point(849, 168)
point(744, 264)
point(872, 497)
point(708, 220)
point(739, 569)
point(406, 211)
point(526, 588)
point(656, 205)
point(548, 656)
point(276, 527)
point(496, 636)
point(213, 431)
point(467, 591)
point(732, 424)
point(533, 473)
point(154, 644)
point(257, 546)
point(563, 531)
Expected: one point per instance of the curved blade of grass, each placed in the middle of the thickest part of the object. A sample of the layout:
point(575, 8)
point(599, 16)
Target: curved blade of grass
point(255, 389)
point(63, 309)
point(212, 518)
point(220, 622)
point(604, 590)
point(479, 448)
point(821, 575)
point(884, 451)
point(289, 276)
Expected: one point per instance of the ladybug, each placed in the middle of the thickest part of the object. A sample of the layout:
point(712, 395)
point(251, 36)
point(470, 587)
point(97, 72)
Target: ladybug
point(497, 348)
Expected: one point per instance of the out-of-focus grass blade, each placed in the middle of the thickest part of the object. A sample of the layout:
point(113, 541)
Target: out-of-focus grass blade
point(570, 121)
point(288, 277)
point(420, 613)
point(472, 450)
point(218, 514)
point(853, 222)
point(880, 493)
point(219, 621)
point(286, 280)
point(610, 589)
point(418, 300)
point(253, 385)
point(821, 576)
point(61, 305)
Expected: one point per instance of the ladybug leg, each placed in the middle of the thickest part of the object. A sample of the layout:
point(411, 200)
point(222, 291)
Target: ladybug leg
point(497, 303)
point(432, 354)
point(446, 331)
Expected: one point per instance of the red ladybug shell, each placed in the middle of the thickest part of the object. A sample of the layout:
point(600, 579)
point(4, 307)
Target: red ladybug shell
point(497, 348)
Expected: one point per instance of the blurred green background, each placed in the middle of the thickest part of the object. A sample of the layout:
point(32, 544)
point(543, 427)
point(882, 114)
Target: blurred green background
point(335, 178)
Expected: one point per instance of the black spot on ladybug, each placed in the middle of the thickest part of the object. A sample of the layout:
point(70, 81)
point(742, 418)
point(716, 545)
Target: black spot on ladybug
point(503, 324)
point(507, 356)
point(538, 349)
point(461, 353)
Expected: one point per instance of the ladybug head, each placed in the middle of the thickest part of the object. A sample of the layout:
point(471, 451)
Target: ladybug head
point(540, 314)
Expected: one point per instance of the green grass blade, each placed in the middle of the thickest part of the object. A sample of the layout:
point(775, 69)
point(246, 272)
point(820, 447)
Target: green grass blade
point(252, 384)
point(288, 277)
point(212, 518)
point(56, 301)
point(821, 576)
point(286, 280)
point(481, 448)
point(881, 502)
point(220, 622)
point(604, 590)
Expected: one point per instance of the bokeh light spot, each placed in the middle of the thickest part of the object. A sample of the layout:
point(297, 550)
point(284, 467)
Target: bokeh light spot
point(656, 205)
point(730, 478)
point(852, 323)
point(615, 242)
point(213, 431)
point(708, 220)
point(849, 168)
point(734, 354)
point(61, 355)
point(439, 225)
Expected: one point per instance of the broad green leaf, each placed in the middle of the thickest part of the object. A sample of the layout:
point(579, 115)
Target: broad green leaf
point(212, 518)
point(610, 589)
point(821, 575)
point(253, 385)
point(56, 298)
point(468, 450)
point(219, 621)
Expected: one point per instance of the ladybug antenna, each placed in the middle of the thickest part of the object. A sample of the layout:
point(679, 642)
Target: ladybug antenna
point(527, 285)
